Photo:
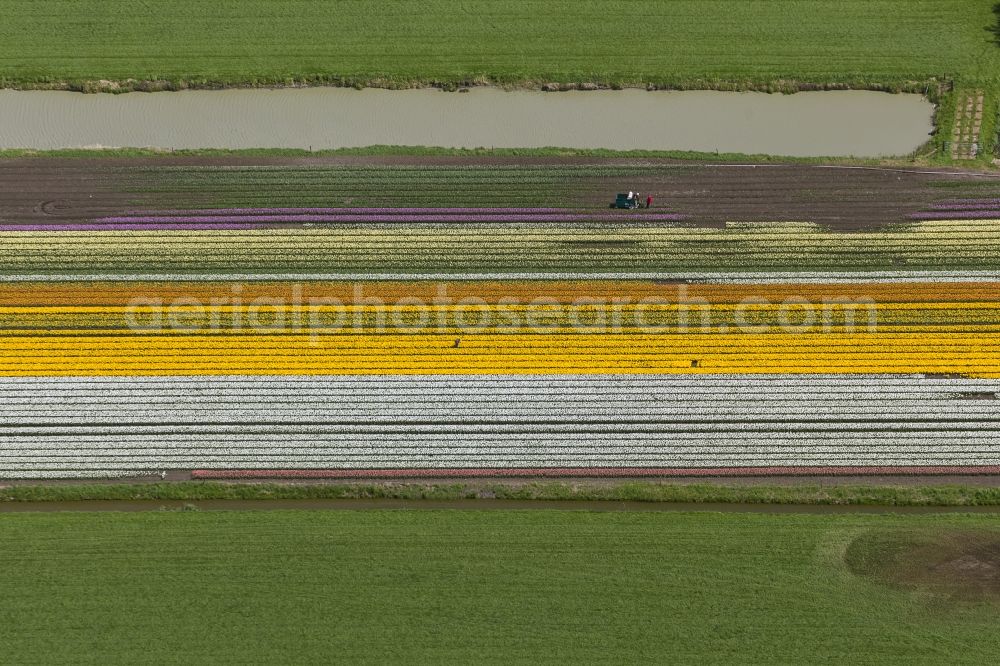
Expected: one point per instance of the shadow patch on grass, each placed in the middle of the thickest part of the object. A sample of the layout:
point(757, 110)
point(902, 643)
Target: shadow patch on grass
point(995, 28)
point(959, 565)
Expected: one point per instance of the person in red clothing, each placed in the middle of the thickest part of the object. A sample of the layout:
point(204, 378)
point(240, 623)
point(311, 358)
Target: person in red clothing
point(649, 202)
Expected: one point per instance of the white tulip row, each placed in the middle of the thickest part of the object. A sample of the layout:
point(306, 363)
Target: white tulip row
point(935, 440)
point(500, 412)
point(485, 442)
point(91, 427)
point(419, 400)
point(43, 474)
point(141, 468)
point(400, 434)
point(497, 399)
point(556, 384)
point(443, 400)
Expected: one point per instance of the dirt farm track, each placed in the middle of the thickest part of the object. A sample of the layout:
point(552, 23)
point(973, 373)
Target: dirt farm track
point(73, 190)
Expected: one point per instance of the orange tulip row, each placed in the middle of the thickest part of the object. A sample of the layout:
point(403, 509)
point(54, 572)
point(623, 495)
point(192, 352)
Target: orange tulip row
point(490, 291)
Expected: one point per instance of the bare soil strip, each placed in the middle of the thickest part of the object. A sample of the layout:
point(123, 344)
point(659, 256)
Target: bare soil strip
point(43, 191)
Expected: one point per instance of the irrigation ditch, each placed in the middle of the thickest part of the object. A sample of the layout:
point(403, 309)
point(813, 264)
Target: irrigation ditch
point(838, 123)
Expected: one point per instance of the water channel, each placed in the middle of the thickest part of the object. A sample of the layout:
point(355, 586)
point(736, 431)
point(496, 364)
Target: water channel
point(831, 123)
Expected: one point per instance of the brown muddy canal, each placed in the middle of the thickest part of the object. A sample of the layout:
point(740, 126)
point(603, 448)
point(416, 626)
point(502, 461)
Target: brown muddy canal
point(473, 504)
point(835, 123)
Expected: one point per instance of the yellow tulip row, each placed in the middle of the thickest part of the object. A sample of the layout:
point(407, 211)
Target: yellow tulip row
point(543, 327)
point(541, 354)
point(555, 366)
point(909, 340)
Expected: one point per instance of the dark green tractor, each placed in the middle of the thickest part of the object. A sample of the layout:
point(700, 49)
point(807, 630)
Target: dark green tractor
point(625, 202)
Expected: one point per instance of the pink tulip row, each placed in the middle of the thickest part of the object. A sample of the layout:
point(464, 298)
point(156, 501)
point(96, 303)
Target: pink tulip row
point(873, 470)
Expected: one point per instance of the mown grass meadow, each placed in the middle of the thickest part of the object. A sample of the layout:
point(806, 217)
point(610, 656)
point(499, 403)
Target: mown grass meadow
point(664, 42)
point(171, 587)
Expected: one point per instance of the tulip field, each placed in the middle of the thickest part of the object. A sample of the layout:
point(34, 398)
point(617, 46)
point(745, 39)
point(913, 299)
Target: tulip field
point(751, 373)
point(486, 336)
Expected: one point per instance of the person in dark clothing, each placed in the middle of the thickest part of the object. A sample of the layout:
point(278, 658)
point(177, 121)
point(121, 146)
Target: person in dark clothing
point(649, 202)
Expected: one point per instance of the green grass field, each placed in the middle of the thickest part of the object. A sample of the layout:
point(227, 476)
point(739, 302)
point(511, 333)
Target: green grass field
point(499, 586)
point(668, 42)
point(915, 495)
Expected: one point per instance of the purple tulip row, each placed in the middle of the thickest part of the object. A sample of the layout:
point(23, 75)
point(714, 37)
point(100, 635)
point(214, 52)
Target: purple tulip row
point(993, 214)
point(394, 218)
point(351, 211)
point(967, 204)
